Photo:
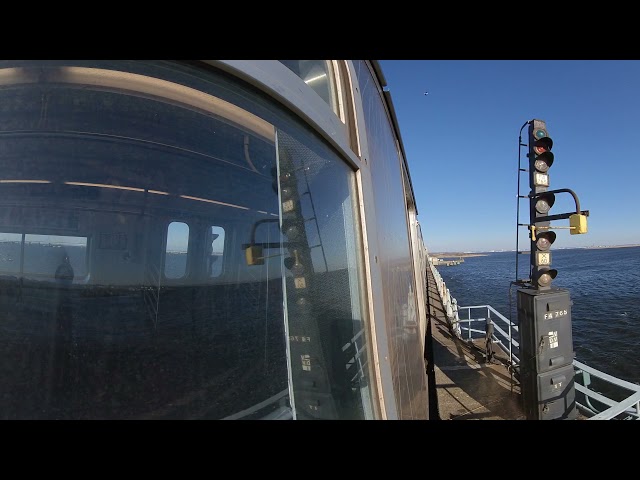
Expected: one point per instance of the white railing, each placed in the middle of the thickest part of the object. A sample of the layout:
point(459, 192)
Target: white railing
point(448, 302)
point(503, 330)
point(596, 404)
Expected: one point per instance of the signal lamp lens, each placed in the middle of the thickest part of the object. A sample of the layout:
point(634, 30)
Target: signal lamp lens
point(540, 133)
point(539, 149)
point(542, 145)
point(543, 243)
point(542, 206)
point(541, 166)
point(546, 277)
point(287, 193)
point(544, 202)
point(543, 162)
point(288, 262)
point(286, 178)
point(545, 239)
point(544, 280)
point(293, 229)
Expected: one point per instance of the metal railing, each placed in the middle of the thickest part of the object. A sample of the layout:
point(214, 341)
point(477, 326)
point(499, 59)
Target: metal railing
point(503, 332)
point(449, 303)
point(598, 404)
point(599, 396)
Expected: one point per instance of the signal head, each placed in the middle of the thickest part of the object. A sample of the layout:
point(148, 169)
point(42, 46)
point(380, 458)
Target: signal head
point(542, 145)
point(543, 277)
point(544, 240)
point(544, 202)
point(543, 161)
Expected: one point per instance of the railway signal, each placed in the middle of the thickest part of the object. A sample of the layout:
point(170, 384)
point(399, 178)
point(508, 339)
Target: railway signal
point(541, 200)
point(544, 313)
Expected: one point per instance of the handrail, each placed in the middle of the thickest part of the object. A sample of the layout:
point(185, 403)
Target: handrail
point(605, 381)
point(621, 407)
point(449, 303)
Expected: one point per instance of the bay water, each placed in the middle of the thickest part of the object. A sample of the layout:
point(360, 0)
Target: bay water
point(604, 287)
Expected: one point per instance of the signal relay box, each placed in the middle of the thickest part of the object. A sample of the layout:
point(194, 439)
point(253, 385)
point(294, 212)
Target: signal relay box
point(546, 354)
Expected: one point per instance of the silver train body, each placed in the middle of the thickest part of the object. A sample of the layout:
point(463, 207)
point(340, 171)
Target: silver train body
point(207, 240)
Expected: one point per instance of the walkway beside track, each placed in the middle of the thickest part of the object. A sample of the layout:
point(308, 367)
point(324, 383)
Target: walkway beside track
point(466, 386)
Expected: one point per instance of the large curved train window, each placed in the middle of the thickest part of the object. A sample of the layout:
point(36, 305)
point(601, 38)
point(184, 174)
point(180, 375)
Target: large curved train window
point(148, 177)
point(328, 338)
point(156, 183)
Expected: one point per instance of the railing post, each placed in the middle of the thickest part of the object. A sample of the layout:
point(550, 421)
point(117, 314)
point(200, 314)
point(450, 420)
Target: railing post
point(488, 339)
point(510, 346)
point(456, 317)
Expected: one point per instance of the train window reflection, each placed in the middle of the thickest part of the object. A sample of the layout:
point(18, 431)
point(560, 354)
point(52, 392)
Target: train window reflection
point(175, 265)
point(216, 251)
point(44, 256)
point(10, 248)
point(56, 256)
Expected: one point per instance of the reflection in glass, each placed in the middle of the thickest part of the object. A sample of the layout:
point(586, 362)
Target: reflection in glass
point(10, 252)
point(43, 256)
point(328, 340)
point(215, 259)
point(177, 248)
point(395, 261)
point(318, 74)
point(123, 182)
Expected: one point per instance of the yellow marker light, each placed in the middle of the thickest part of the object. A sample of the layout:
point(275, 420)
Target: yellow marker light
point(254, 255)
point(577, 224)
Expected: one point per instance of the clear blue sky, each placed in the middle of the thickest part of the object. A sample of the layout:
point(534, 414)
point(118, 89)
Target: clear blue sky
point(461, 142)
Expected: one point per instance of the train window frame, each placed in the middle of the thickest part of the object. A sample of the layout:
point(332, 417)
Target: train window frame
point(346, 86)
point(333, 85)
point(341, 91)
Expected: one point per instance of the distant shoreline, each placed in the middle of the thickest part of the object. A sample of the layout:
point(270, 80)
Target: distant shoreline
point(457, 255)
point(484, 254)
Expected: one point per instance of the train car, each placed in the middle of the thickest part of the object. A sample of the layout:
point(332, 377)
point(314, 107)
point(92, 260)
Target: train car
point(207, 240)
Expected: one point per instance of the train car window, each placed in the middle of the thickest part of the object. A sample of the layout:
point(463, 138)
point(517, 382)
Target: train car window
point(329, 342)
point(216, 245)
point(55, 256)
point(320, 76)
point(45, 257)
point(10, 253)
point(177, 249)
point(138, 164)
